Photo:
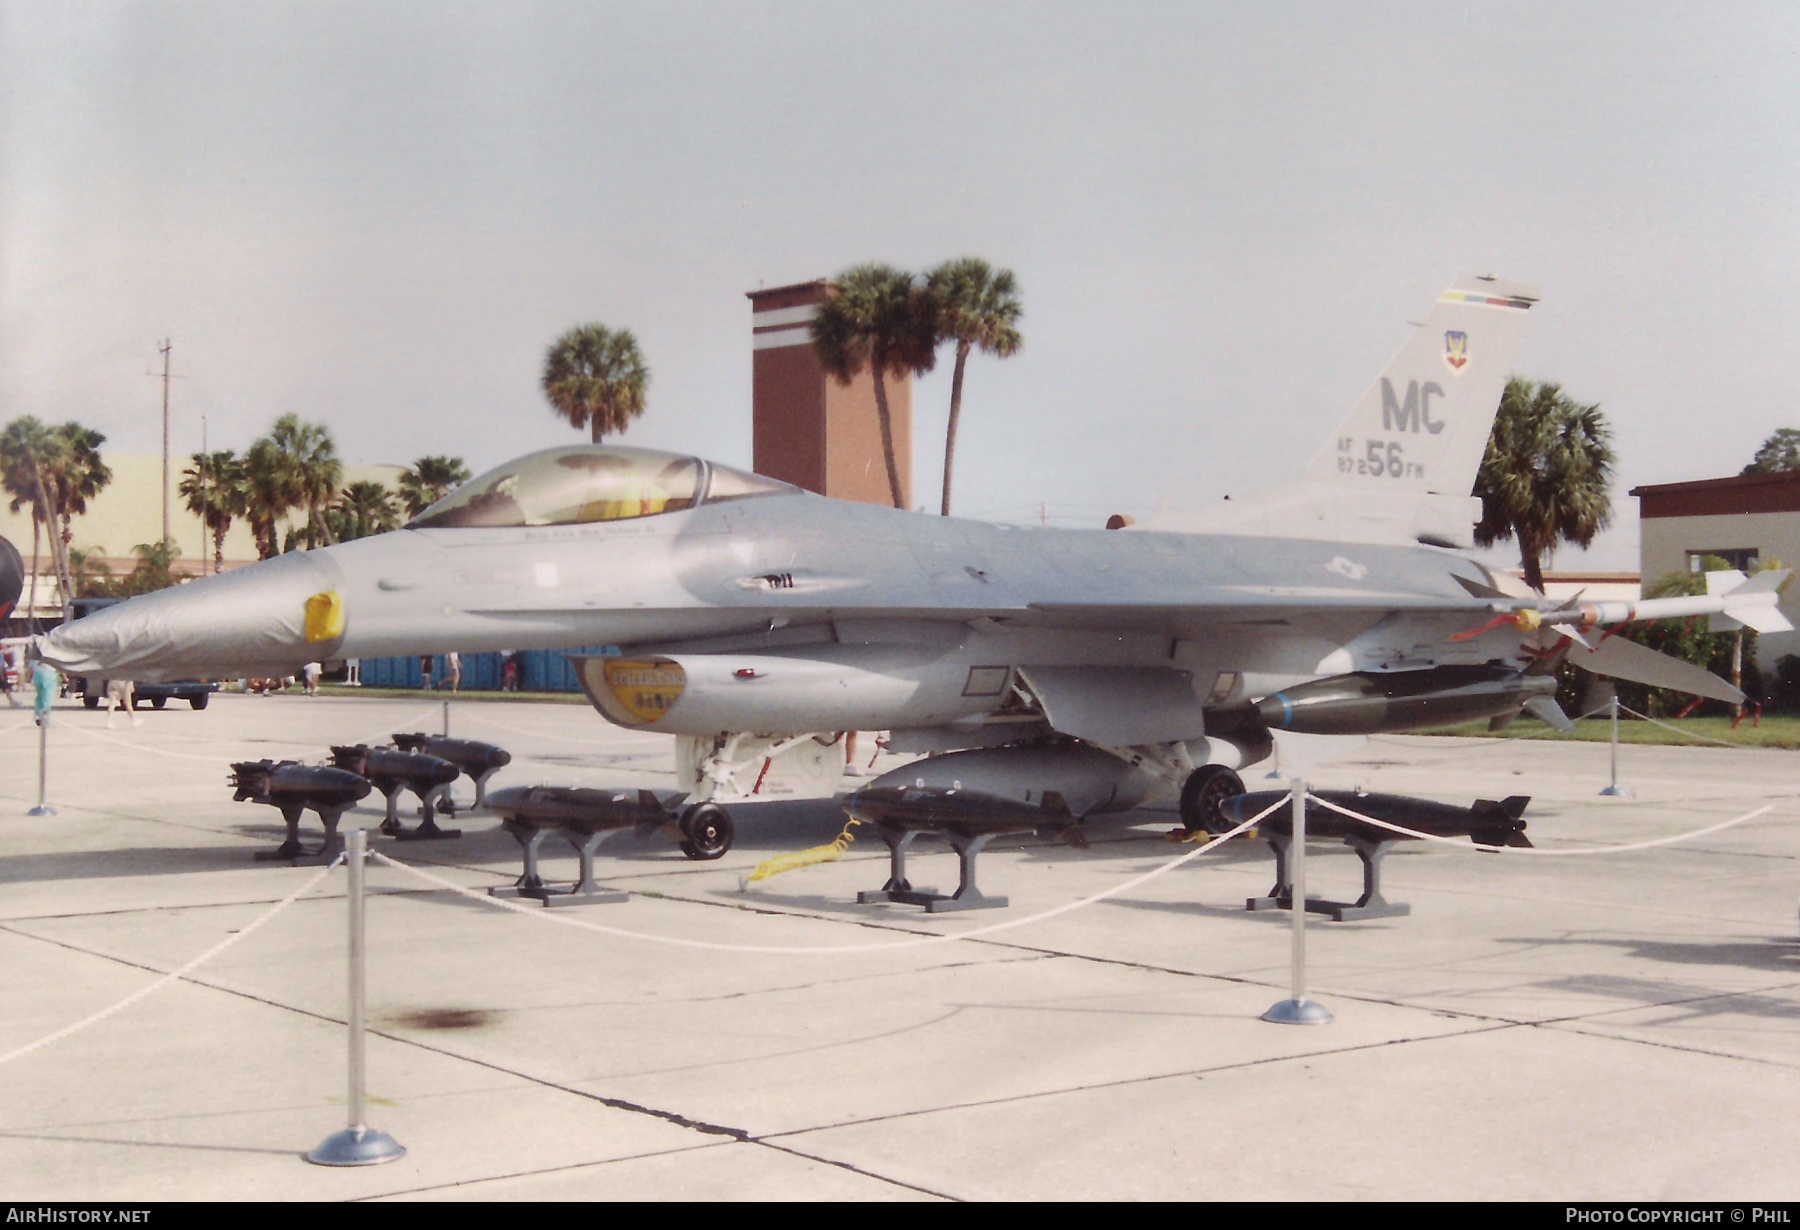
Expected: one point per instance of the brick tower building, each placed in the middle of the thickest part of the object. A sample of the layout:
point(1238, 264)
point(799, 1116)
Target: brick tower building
point(808, 429)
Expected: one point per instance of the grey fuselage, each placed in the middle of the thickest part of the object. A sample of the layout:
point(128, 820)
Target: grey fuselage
point(876, 616)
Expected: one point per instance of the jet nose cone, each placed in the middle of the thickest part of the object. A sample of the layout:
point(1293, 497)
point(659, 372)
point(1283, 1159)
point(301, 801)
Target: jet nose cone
point(251, 621)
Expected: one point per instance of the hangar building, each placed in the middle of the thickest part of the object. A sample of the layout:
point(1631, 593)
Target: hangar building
point(1747, 520)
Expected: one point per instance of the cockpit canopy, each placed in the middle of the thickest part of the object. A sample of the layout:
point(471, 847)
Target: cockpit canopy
point(592, 482)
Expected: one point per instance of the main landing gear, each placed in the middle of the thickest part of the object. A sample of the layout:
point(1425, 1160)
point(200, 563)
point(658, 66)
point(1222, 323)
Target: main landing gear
point(706, 831)
point(1206, 788)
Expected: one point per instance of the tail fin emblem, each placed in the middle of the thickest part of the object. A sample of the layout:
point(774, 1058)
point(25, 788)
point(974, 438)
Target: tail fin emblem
point(1456, 349)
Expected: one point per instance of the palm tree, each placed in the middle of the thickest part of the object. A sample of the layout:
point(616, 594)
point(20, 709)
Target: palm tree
point(596, 378)
point(268, 493)
point(92, 574)
point(975, 306)
point(363, 508)
point(155, 568)
point(213, 485)
point(430, 480)
point(28, 450)
point(878, 315)
point(78, 475)
point(314, 471)
point(1545, 476)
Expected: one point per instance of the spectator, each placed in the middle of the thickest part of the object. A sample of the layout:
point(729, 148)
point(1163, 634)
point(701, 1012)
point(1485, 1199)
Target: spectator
point(425, 671)
point(119, 693)
point(453, 668)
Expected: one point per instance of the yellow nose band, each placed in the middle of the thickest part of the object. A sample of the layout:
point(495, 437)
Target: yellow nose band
point(324, 617)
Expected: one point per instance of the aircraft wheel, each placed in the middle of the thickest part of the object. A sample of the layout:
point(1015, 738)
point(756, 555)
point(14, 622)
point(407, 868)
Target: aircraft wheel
point(1207, 787)
point(92, 702)
point(198, 702)
point(157, 702)
point(706, 831)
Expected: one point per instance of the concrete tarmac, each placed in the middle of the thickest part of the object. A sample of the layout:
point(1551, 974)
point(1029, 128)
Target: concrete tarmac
point(1604, 1027)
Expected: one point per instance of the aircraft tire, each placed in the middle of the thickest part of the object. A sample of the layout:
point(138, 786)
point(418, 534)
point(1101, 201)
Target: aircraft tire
point(157, 702)
point(1206, 788)
point(92, 702)
point(706, 831)
point(198, 702)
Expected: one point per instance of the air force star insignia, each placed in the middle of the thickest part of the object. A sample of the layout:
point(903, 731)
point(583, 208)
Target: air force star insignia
point(1456, 350)
point(1347, 568)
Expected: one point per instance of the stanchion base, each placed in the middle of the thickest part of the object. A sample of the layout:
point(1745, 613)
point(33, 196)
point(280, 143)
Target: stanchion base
point(1616, 792)
point(562, 894)
point(1299, 1012)
point(357, 1147)
point(42, 811)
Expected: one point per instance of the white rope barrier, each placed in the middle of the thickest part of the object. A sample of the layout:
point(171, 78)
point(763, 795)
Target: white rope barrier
point(1459, 844)
point(585, 740)
point(175, 975)
point(210, 759)
point(1686, 734)
point(136, 747)
point(545, 915)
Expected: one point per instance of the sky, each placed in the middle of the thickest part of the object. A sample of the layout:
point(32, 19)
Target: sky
point(1221, 218)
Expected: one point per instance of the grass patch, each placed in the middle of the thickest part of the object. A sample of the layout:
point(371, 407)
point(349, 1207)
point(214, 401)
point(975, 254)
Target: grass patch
point(1777, 730)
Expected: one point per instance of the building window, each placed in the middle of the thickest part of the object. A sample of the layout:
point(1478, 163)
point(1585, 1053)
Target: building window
point(1744, 559)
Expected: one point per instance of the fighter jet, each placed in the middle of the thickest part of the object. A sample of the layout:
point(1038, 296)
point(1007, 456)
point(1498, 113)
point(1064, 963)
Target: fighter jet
point(756, 621)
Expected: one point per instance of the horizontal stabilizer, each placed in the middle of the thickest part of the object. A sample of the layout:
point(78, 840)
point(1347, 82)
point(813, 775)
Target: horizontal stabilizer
point(1477, 589)
point(1617, 658)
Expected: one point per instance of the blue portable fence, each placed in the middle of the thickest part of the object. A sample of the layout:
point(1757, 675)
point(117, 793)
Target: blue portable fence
point(540, 670)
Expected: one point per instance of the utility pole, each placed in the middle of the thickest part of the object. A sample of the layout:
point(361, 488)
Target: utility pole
point(168, 344)
point(205, 465)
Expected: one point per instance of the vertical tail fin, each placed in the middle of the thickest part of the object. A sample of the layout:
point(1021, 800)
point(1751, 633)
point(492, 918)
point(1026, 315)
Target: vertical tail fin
point(1424, 425)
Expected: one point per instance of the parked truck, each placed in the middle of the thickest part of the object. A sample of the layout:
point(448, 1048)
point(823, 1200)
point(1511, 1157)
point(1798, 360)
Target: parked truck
point(92, 691)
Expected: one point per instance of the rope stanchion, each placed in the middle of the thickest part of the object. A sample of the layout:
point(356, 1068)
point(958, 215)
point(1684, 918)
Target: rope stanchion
point(1297, 1009)
point(174, 975)
point(43, 807)
point(358, 1144)
point(1459, 844)
point(830, 949)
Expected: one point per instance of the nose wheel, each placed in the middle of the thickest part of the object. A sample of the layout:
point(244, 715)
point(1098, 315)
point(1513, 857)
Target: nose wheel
point(706, 831)
point(1206, 788)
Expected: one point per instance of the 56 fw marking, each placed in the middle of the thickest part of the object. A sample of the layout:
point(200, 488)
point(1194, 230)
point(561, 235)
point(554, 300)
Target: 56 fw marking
point(1379, 458)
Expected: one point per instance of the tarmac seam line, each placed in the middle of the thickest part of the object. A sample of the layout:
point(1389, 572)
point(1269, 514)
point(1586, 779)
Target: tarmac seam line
point(675, 1118)
point(1151, 1078)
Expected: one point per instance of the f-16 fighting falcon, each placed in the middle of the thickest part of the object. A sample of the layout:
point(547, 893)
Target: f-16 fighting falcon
point(755, 621)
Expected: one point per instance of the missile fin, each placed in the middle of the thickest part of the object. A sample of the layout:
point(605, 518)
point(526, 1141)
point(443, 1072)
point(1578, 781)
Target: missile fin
point(1547, 710)
point(1509, 808)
